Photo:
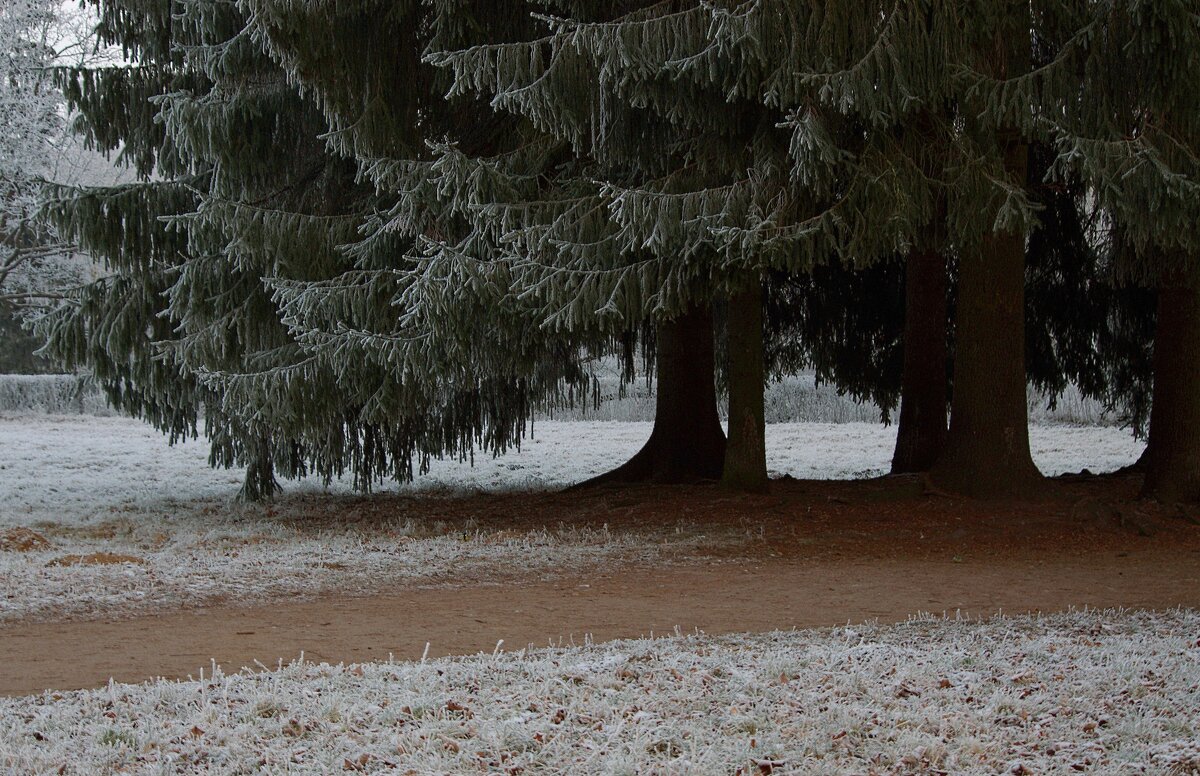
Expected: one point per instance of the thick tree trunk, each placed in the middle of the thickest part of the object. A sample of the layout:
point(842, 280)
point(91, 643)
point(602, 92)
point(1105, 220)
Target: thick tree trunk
point(922, 428)
point(687, 443)
point(1173, 460)
point(746, 452)
point(987, 448)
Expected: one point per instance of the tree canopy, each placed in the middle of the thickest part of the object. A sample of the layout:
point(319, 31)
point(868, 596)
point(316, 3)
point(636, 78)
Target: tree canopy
point(370, 232)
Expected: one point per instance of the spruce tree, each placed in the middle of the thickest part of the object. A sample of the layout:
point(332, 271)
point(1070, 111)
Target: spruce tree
point(530, 233)
point(248, 224)
point(836, 173)
point(495, 193)
point(1134, 139)
point(233, 172)
point(422, 326)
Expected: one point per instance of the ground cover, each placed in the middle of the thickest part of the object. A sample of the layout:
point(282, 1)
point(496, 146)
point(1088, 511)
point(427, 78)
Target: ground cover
point(1101, 692)
point(98, 517)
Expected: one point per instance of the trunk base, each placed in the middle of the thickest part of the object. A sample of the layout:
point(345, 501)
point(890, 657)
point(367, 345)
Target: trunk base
point(921, 434)
point(1173, 449)
point(987, 478)
point(667, 461)
point(687, 444)
point(746, 451)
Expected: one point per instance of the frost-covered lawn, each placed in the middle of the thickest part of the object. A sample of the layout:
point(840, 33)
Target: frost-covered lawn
point(114, 521)
point(1097, 692)
point(99, 516)
point(75, 465)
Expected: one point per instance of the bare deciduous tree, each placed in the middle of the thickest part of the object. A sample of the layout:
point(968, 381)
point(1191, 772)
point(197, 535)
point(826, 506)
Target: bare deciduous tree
point(36, 146)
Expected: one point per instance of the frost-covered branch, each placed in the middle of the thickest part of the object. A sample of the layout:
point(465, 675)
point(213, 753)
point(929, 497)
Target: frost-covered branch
point(36, 146)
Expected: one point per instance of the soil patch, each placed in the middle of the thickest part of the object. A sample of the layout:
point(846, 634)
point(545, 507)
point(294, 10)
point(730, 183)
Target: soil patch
point(23, 540)
point(886, 517)
point(807, 554)
point(96, 559)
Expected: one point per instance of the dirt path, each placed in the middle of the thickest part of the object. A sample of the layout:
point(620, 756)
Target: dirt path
point(778, 593)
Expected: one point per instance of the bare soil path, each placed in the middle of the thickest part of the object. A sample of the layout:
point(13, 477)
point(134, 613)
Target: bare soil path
point(822, 554)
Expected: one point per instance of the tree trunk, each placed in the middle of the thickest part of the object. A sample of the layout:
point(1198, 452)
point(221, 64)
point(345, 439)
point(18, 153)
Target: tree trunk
point(1173, 469)
point(260, 483)
point(746, 453)
point(687, 443)
point(922, 428)
point(987, 448)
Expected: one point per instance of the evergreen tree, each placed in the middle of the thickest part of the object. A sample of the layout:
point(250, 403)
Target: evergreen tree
point(227, 153)
point(835, 171)
point(248, 224)
point(423, 304)
point(1133, 137)
point(519, 211)
point(443, 208)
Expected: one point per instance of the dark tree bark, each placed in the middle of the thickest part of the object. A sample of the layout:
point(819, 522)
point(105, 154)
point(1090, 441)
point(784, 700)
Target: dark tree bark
point(987, 448)
point(1140, 465)
point(260, 483)
point(1172, 459)
point(746, 451)
point(921, 433)
point(687, 443)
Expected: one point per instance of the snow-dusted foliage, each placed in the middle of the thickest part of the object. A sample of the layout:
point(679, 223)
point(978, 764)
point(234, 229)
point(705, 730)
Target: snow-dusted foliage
point(29, 121)
point(370, 233)
point(57, 394)
point(28, 103)
point(245, 197)
point(1097, 692)
point(36, 36)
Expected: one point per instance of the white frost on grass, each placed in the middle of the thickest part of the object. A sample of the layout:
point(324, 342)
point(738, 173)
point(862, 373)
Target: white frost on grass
point(112, 485)
point(269, 561)
point(70, 465)
point(1099, 692)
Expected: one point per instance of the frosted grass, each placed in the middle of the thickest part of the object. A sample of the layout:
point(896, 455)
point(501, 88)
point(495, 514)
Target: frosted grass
point(1099, 692)
point(112, 485)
